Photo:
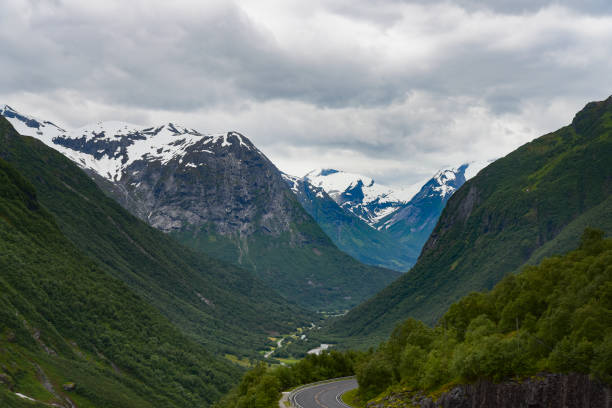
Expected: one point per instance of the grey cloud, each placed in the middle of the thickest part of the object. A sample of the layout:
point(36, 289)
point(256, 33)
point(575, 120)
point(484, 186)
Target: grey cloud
point(521, 6)
point(136, 58)
point(206, 63)
point(503, 6)
point(190, 60)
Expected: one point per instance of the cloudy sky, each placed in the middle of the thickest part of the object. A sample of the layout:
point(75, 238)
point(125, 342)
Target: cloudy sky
point(393, 89)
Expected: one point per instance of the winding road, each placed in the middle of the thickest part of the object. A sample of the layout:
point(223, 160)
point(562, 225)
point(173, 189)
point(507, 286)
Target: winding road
point(324, 395)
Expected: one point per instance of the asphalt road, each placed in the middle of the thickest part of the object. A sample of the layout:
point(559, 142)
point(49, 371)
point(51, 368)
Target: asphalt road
point(324, 395)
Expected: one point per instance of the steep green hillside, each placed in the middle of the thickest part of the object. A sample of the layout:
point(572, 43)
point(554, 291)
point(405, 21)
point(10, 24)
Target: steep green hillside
point(315, 274)
point(599, 216)
point(222, 196)
point(554, 317)
point(64, 320)
point(549, 188)
point(222, 306)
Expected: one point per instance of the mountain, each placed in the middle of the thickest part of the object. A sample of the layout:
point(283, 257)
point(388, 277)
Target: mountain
point(350, 233)
point(73, 335)
point(223, 307)
point(543, 325)
point(412, 223)
point(361, 195)
point(534, 202)
point(374, 223)
point(219, 195)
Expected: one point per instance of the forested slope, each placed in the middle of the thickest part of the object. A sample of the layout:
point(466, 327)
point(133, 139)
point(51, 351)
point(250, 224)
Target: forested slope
point(221, 306)
point(546, 191)
point(65, 320)
point(555, 317)
point(545, 332)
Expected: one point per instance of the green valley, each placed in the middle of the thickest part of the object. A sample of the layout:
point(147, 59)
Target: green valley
point(551, 318)
point(219, 305)
point(306, 204)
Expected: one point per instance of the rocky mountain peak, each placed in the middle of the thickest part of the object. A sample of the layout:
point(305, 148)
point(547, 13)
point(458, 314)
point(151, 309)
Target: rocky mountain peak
point(359, 194)
point(109, 148)
point(28, 125)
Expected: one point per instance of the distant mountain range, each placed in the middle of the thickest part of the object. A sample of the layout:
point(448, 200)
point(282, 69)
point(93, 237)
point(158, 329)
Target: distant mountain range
point(361, 195)
point(98, 303)
point(199, 186)
point(219, 195)
point(533, 203)
point(374, 223)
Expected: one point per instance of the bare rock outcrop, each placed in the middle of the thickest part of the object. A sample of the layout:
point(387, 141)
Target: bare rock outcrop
point(541, 391)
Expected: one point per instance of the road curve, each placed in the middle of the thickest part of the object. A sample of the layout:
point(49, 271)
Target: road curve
point(324, 395)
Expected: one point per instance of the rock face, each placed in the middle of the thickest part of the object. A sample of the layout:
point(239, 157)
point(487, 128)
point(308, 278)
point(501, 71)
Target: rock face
point(222, 181)
point(218, 194)
point(542, 391)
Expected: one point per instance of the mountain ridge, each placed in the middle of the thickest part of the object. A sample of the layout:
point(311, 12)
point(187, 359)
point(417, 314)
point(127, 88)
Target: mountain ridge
point(359, 194)
point(497, 220)
point(72, 334)
point(221, 196)
point(219, 305)
point(398, 224)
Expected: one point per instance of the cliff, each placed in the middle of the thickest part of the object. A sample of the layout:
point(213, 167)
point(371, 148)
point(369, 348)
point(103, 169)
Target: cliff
point(541, 391)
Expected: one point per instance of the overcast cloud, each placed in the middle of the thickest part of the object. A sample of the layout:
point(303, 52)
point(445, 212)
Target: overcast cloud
point(392, 89)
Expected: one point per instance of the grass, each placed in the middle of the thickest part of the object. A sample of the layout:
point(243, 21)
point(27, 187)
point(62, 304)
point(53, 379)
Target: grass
point(352, 398)
point(243, 362)
point(288, 361)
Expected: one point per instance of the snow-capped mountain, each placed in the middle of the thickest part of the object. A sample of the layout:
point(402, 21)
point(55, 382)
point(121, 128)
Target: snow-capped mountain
point(361, 195)
point(139, 160)
point(373, 202)
point(375, 223)
point(218, 194)
point(110, 148)
point(350, 233)
point(432, 194)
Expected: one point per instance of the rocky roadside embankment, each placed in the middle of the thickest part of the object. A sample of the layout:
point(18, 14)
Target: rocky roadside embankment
point(541, 391)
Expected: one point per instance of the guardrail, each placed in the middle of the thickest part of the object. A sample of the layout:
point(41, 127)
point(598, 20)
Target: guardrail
point(295, 391)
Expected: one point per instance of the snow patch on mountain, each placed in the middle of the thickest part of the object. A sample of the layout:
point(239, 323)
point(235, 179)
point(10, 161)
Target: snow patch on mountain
point(360, 194)
point(373, 202)
point(298, 184)
point(445, 179)
point(30, 126)
point(294, 182)
point(110, 147)
point(336, 182)
point(442, 178)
